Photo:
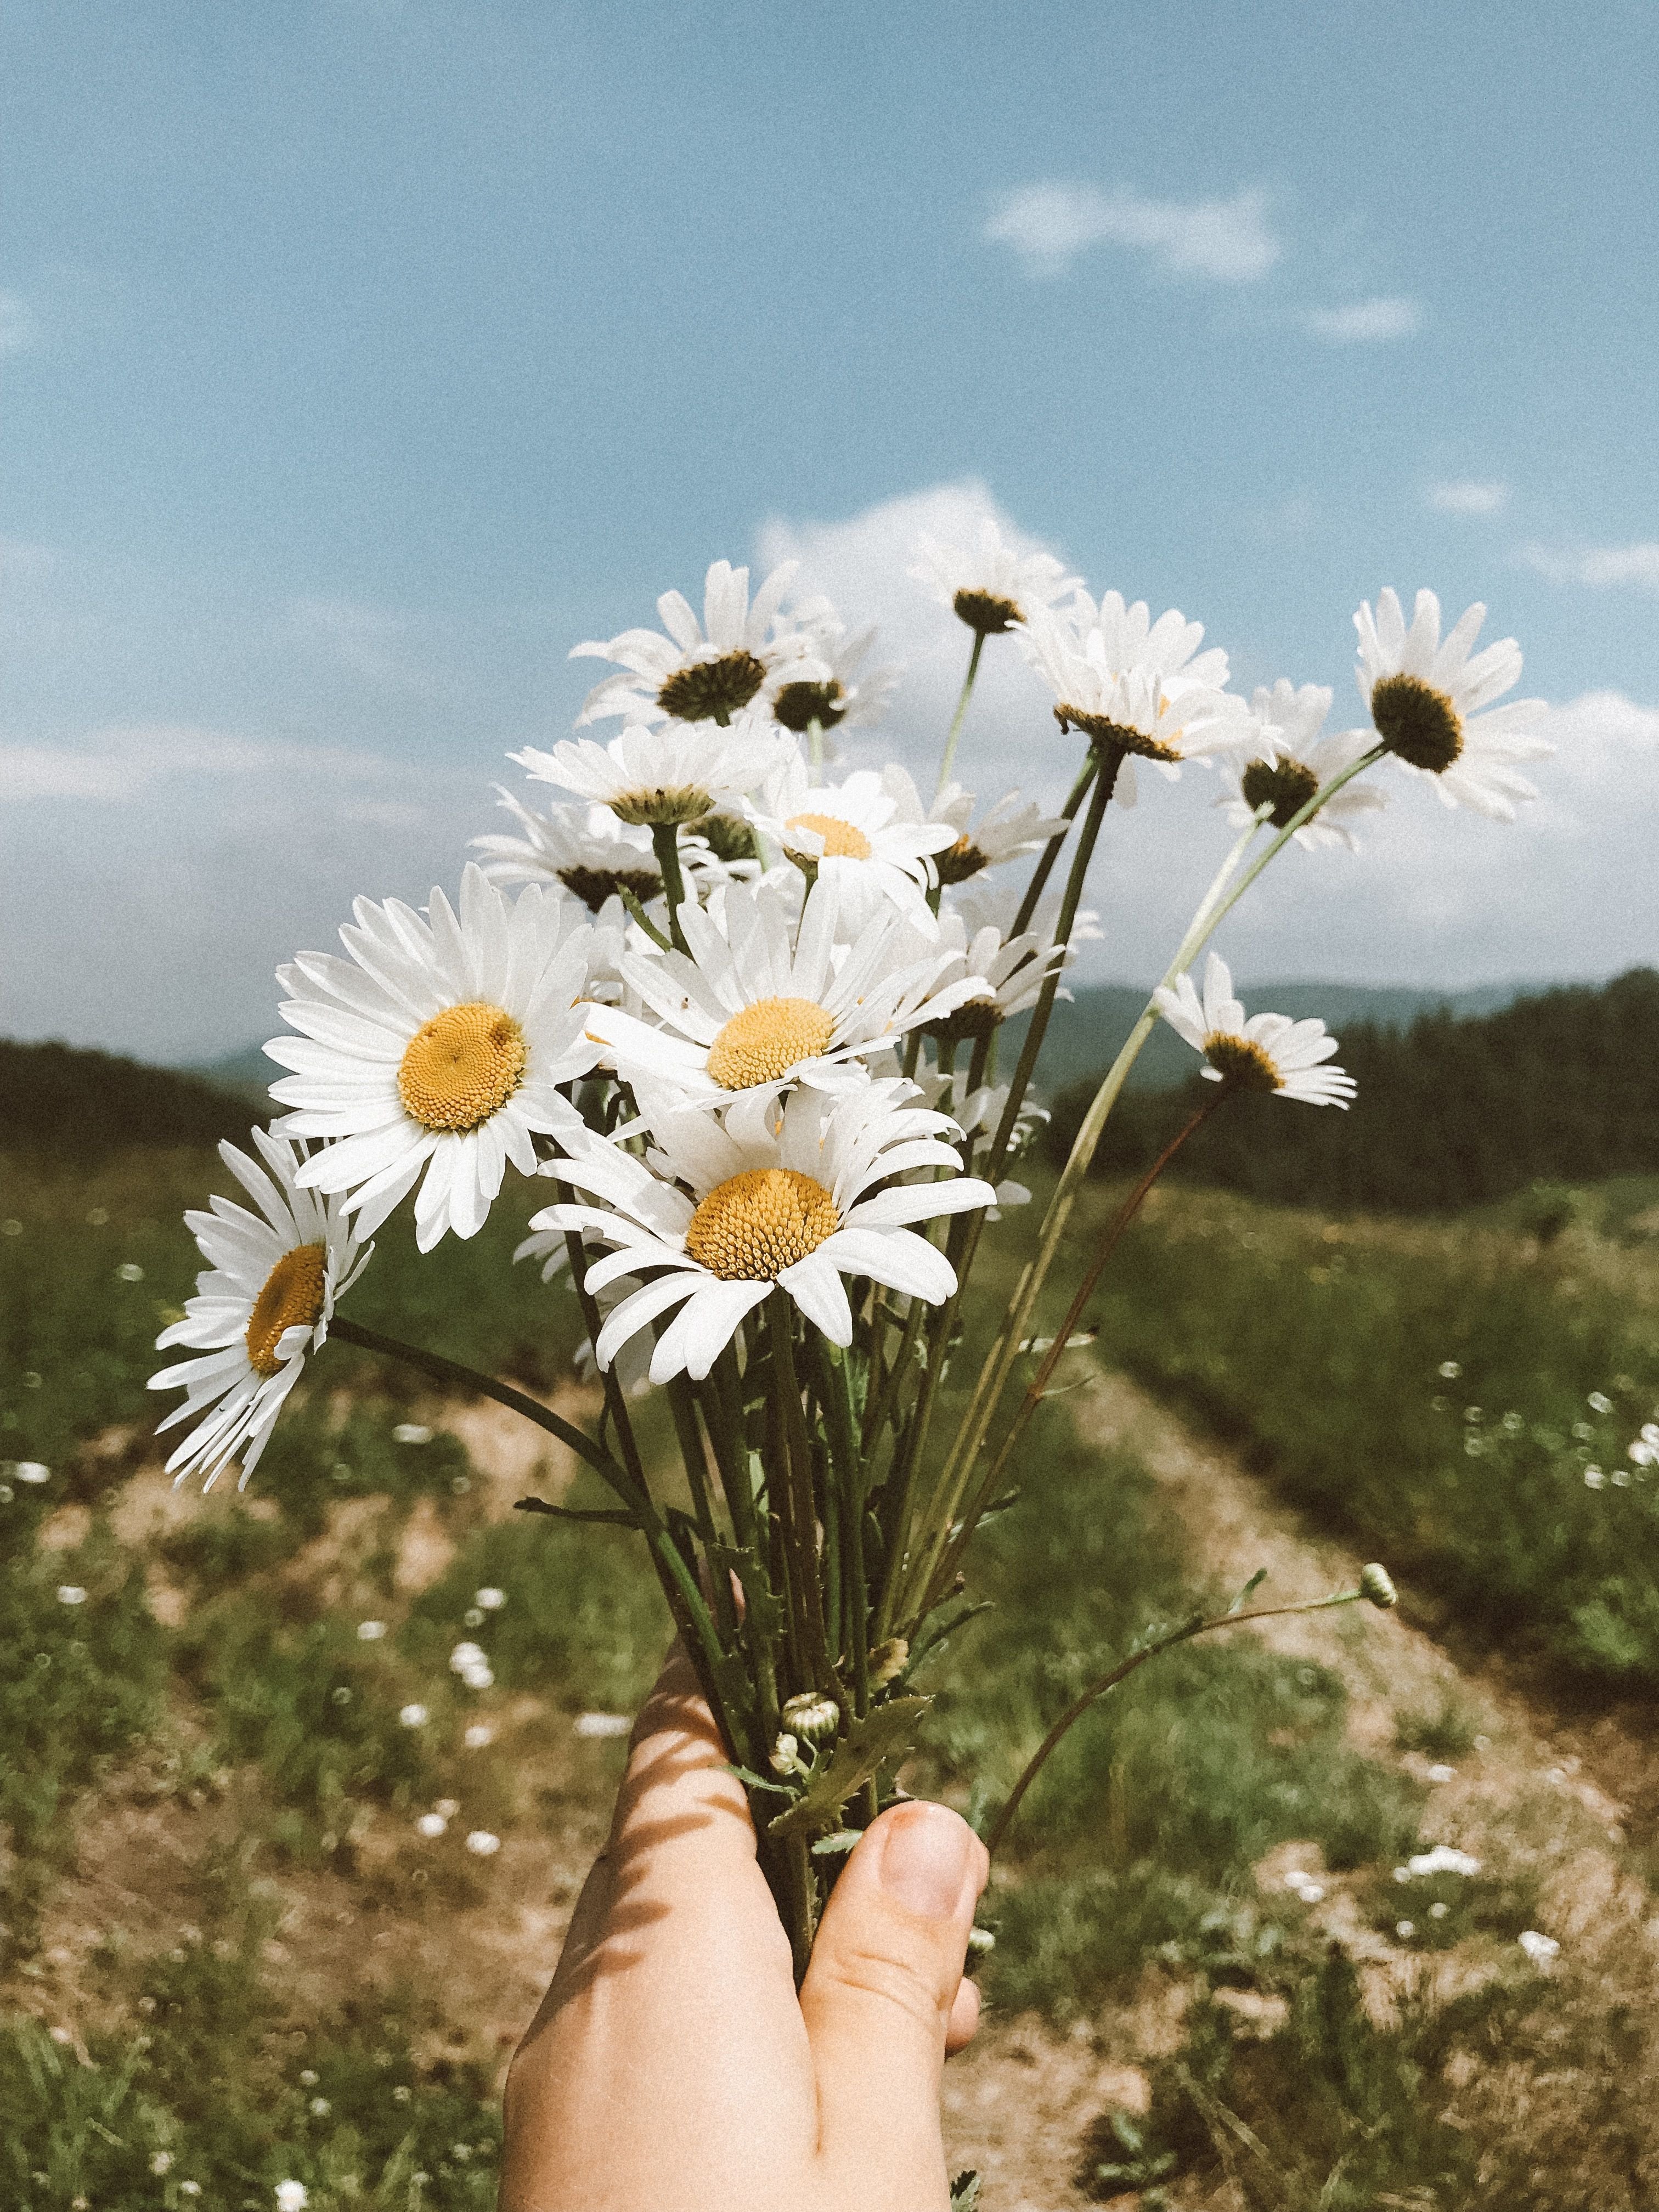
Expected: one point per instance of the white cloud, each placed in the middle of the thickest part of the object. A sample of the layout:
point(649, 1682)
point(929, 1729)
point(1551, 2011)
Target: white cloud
point(1366, 322)
point(1598, 566)
point(121, 762)
point(1048, 225)
point(1463, 496)
point(19, 330)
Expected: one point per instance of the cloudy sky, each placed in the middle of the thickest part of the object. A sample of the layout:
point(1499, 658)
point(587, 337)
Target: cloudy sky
point(359, 357)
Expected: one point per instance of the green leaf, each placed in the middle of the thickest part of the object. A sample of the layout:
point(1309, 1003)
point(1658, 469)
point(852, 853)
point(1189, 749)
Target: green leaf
point(882, 1738)
point(762, 1608)
point(964, 2192)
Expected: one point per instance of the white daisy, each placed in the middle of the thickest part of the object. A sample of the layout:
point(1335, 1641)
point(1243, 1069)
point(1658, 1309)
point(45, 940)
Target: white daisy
point(436, 1050)
point(998, 975)
point(585, 850)
point(707, 671)
point(675, 775)
point(1007, 829)
point(725, 1218)
point(766, 997)
point(1268, 1052)
point(1291, 761)
point(1139, 685)
point(265, 1302)
point(990, 585)
point(866, 835)
point(845, 692)
point(1424, 699)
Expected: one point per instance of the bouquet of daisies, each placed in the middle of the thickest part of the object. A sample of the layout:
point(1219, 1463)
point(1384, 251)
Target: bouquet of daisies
point(744, 1017)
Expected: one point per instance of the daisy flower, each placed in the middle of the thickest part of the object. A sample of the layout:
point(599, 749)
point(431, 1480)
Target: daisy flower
point(675, 775)
point(866, 835)
point(264, 1302)
point(1424, 699)
point(789, 1203)
point(707, 670)
point(766, 997)
point(842, 693)
point(435, 1053)
point(1139, 685)
point(1292, 761)
point(585, 850)
point(1006, 831)
point(1000, 974)
point(1268, 1052)
point(990, 585)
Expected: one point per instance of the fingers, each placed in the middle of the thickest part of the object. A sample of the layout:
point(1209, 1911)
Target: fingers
point(881, 1995)
point(964, 2024)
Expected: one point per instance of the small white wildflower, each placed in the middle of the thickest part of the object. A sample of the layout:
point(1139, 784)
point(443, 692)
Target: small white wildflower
point(490, 1599)
point(32, 1470)
point(308, 2078)
point(292, 2197)
point(401, 2094)
point(449, 1807)
point(1642, 1453)
point(1539, 1948)
point(320, 2108)
point(70, 1594)
point(1439, 1909)
point(603, 1724)
point(1405, 1929)
point(478, 1678)
point(131, 1271)
point(1593, 1478)
point(1450, 1370)
point(412, 1716)
point(190, 2188)
point(162, 2161)
point(473, 1617)
point(482, 1845)
point(1443, 1858)
point(431, 1824)
point(464, 1655)
point(478, 1736)
point(370, 1632)
point(1402, 1874)
point(411, 1432)
point(1599, 1402)
point(1441, 1772)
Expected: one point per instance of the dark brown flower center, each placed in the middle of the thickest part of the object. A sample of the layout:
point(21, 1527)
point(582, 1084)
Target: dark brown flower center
point(1418, 722)
point(594, 886)
point(971, 1021)
point(1240, 1064)
point(712, 691)
point(959, 861)
point(987, 613)
point(1285, 785)
point(1123, 735)
point(798, 706)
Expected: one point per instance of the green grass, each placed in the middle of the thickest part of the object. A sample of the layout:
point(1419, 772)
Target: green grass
point(1459, 1402)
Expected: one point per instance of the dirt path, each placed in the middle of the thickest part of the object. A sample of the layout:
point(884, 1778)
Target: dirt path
point(1018, 2104)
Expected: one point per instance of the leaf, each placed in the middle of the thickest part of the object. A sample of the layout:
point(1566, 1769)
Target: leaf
point(757, 1781)
point(882, 1737)
point(965, 2191)
point(1249, 1589)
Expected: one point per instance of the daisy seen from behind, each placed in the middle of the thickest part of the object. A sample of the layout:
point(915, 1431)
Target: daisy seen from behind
point(845, 692)
point(990, 585)
point(1008, 828)
point(707, 670)
point(262, 1304)
point(769, 993)
point(719, 1218)
point(1265, 1052)
point(864, 835)
point(435, 1051)
point(1291, 761)
point(1425, 697)
point(663, 777)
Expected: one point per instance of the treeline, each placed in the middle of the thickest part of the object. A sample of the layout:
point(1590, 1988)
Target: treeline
point(83, 1105)
point(1560, 1087)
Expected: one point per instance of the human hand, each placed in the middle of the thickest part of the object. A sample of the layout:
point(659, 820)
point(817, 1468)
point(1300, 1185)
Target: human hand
point(673, 2066)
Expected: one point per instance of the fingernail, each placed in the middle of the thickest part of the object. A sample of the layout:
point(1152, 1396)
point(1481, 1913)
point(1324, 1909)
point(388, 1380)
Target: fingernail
point(924, 1860)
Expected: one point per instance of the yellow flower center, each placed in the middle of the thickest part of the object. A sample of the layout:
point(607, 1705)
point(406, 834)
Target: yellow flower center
point(766, 1040)
point(751, 1227)
point(1242, 1066)
point(462, 1067)
point(292, 1299)
point(842, 841)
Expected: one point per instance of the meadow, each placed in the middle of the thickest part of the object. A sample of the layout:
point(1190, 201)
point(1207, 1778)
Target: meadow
point(279, 1885)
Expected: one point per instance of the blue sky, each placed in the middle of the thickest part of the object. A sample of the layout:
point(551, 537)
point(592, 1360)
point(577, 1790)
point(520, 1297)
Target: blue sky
point(358, 359)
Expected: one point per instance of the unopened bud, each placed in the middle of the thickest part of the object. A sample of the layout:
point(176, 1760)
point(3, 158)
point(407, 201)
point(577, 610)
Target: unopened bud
point(980, 1941)
point(785, 1754)
point(811, 1714)
point(888, 1662)
point(1376, 1584)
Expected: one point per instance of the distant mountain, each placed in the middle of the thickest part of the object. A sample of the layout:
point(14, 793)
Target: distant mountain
point(247, 1072)
point(1083, 1036)
point(83, 1105)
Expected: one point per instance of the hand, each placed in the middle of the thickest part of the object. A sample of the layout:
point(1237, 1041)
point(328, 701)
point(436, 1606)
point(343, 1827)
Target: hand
point(673, 2066)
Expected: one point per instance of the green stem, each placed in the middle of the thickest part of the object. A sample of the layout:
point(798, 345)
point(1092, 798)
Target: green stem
point(960, 716)
point(666, 843)
point(803, 1506)
point(1125, 1667)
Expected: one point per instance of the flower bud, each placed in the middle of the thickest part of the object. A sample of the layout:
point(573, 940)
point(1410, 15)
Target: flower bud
point(785, 1755)
point(888, 1662)
point(813, 1716)
point(1377, 1584)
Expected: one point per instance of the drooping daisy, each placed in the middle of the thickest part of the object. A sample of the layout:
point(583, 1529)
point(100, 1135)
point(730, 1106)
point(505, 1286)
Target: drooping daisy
point(707, 671)
point(990, 585)
point(1424, 698)
point(864, 835)
point(725, 1219)
point(436, 1050)
point(1291, 761)
point(264, 1302)
point(1007, 829)
point(1139, 686)
point(1268, 1052)
point(1000, 975)
point(585, 850)
point(845, 692)
point(768, 996)
point(679, 773)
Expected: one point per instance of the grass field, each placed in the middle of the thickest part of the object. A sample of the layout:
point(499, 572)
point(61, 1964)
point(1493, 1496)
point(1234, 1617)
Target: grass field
point(232, 1957)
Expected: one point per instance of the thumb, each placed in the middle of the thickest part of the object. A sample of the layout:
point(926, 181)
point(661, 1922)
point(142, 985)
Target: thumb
point(878, 1996)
